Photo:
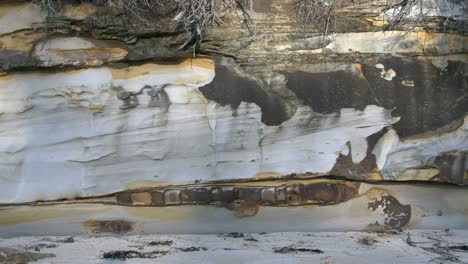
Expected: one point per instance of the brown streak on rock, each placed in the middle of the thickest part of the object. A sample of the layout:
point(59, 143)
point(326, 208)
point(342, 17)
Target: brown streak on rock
point(319, 191)
point(157, 198)
point(141, 198)
point(124, 198)
point(345, 167)
point(396, 214)
point(246, 209)
point(109, 226)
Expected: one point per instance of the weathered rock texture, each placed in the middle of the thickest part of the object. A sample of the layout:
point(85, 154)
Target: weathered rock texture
point(95, 102)
point(410, 247)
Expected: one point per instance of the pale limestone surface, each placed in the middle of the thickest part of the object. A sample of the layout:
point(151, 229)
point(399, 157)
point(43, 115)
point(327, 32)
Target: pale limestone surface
point(413, 247)
point(67, 129)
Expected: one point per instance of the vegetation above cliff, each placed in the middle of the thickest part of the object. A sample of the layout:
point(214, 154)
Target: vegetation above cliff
point(193, 15)
point(323, 16)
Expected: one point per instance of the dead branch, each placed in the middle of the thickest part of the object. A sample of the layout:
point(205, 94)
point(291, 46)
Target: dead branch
point(195, 15)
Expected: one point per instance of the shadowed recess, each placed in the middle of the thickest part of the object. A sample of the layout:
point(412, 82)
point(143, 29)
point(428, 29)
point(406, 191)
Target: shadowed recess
point(228, 88)
point(434, 99)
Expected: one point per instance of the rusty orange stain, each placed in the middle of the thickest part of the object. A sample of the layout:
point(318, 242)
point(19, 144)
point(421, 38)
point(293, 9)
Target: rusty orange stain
point(135, 71)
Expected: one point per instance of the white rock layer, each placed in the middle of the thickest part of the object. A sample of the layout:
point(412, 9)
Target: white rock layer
point(63, 135)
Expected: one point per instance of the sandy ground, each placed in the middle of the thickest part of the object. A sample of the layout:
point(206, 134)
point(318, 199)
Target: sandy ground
point(424, 246)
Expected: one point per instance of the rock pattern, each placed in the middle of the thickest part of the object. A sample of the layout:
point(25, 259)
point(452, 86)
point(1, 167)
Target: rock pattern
point(101, 104)
point(412, 247)
point(102, 148)
point(337, 206)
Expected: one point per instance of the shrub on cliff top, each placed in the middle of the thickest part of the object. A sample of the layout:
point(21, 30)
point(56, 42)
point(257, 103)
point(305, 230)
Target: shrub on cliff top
point(194, 15)
point(324, 16)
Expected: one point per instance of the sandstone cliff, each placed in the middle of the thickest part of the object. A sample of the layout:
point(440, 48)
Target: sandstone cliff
point(102, 104)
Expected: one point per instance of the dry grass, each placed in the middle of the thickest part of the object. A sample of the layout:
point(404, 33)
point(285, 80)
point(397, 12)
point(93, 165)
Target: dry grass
point(195, 15)
point(318, 15)
point(324, 16)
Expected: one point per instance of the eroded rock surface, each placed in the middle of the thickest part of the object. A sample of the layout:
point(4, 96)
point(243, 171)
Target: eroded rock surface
point(95, 102)
point(411, 247)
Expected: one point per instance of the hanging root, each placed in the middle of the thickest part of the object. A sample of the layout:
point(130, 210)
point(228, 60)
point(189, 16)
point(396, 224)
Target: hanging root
point(327, 16)
point(318, 15)
point(194, 15)
point(197, 15)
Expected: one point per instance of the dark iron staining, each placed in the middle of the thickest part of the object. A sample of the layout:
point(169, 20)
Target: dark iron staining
point(437, 98)
point(248, 194)
point(228, 88)
point(158, 97)
point(172, 197)
point(109, 226)
point(223, 194)
point(329, 92)
point(289, 194)
point(452, 167)
point(201, 195)
point(328, 193)
point(156, 198)
point(242, 199)
point(396, 214)
point(124, 197)
point(345, 167)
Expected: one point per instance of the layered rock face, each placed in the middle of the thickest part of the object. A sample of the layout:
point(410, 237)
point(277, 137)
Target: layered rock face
point(104, 118)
